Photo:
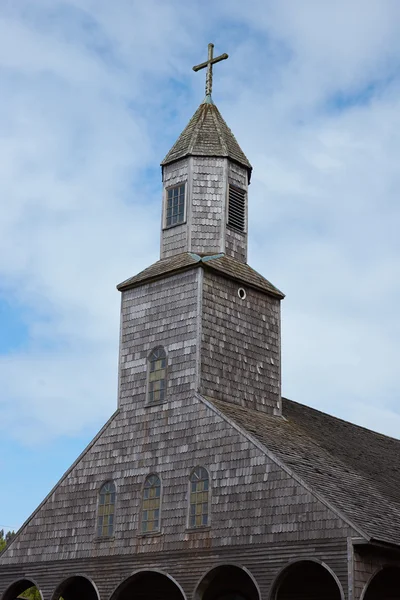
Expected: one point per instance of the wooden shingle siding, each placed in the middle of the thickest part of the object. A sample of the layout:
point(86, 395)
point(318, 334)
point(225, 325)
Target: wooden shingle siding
point(236, 244)
point(240, 355)
point(368, 561)
point(253, 501)
point(161, 313)
point(175, 239)
point(205, 230)
point(208, 205)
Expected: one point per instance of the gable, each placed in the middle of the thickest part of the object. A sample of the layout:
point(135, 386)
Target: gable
point(337, 460)
point(172, 439)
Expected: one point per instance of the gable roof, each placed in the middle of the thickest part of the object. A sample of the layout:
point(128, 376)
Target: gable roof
point(207, 134)
point(356, 471)
point(218, 262)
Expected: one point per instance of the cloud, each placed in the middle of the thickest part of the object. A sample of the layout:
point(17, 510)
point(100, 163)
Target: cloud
point(94, 96)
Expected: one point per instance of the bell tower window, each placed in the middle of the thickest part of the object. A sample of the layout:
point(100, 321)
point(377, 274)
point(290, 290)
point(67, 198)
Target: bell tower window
point(237, 209)
point(175, 206)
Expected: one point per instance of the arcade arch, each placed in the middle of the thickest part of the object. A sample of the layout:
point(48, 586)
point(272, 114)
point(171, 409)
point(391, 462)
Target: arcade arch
point(19, 587)
point(77, 587)
point(148, 585)
point(306, 580)
point(384, 585)
point(227, 582)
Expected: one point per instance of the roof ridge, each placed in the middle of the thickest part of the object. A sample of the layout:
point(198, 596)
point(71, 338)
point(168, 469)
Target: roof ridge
point(196, 129)
point(339, 419)
point(214, 115)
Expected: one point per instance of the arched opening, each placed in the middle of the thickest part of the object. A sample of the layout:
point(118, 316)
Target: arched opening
point(76, 588)
point(24, 588)
point(306, 580)
point(385, 585)
point(227, 582)
point(148, 585)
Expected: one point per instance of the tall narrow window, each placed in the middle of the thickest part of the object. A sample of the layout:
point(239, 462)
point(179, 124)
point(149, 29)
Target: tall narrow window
point(106, 510)
point(157, 376)
point(199, 498)
point(175, 206)
point(151, 504)
point(237, 208)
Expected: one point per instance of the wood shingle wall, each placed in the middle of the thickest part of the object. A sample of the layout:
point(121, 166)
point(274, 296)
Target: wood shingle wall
point(175, 239)
point(208, 205)
point(240, 352)
point(253, 501)
point(161, 313)
point(205, 229)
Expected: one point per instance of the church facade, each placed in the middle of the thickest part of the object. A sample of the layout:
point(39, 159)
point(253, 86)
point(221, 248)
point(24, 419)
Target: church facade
point(206, 484)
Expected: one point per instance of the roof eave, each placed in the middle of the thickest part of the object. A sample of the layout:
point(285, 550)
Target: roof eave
point(207, 265)
point(271, 292)
point(375, 543)
point(126, 285)
point(170, 161)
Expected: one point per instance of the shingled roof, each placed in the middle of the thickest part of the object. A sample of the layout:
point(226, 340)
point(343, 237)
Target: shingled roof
point(225, 265)
point(357, 471)
point(207, 134)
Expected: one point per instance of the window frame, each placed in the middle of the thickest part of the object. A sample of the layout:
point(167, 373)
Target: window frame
point(245, 192)
point(156, 402)
point(189, 526)
point(155, 531)
point(166, 190)
point(99, 491)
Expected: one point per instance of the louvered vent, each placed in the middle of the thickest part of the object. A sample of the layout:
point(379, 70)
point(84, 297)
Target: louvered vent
point(237, 208)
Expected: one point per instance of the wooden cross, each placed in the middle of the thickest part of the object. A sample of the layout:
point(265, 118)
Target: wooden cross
point(209, 64)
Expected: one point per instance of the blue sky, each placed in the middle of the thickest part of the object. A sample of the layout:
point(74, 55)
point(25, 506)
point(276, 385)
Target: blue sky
point(93, 94)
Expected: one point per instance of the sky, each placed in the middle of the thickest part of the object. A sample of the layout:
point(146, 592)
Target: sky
point(93, 94)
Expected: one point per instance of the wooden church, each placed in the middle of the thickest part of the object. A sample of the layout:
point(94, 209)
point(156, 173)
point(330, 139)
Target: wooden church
point(206, 484)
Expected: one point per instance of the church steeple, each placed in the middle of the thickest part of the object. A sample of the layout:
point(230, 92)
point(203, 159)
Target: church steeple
point(201, 313)
point(205, 178)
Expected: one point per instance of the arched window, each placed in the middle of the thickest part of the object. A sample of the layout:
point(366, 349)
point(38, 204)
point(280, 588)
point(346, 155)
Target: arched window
point(151, 504)
point(157, 376)
point(199, 498)
point(106, 510)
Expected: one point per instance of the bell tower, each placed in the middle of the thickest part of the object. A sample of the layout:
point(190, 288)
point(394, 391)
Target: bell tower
point(200, 320)
point(205, 181)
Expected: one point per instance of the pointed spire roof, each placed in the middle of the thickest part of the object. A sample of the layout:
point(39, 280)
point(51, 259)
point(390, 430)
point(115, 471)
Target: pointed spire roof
point(207, 134)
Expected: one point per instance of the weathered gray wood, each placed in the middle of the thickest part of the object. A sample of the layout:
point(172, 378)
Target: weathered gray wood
point(208, 64)
point(205, 230)
point(187, 568)
point(240, 355)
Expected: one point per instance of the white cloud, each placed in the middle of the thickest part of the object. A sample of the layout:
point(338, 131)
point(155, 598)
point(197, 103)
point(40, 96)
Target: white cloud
point(92, 96)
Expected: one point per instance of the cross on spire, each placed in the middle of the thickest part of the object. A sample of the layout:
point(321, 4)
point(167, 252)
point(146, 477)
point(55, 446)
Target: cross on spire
point(209, 64)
